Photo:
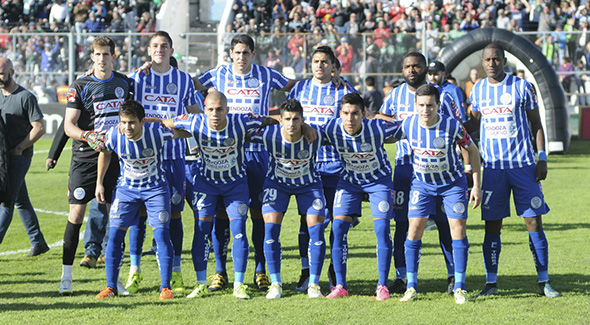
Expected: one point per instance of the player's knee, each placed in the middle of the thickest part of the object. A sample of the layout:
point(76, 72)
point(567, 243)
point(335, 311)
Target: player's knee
point(534, 224)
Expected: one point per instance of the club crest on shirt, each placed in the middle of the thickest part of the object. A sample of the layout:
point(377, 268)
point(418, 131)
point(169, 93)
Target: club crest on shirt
point(147, 152)
point(229, 142)
point(253, 82)
point(303, 154)
point(329, 100)
point(119, 92)
point(365, 147)
point(171, 88)
point(438, 142)
point(506, 98)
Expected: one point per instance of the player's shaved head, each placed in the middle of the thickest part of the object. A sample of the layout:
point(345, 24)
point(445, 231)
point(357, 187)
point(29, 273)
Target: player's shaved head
point(216, 95)
point(5, 62)
point(6, 73)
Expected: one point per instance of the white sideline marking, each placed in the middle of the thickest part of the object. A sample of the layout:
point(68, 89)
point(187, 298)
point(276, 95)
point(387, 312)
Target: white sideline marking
point(47, 151)
point(56, 244)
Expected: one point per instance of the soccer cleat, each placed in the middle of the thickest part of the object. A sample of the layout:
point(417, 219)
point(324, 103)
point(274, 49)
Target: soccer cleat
point(460, 296)
point(240, 292)
point(382, 292)
point(65, 286)
point(38, 250)
point(219, 282)
point(261, 281)
point(399, 285)
point(547, 290)
point(176, 283)
point(331, 276)
point(410, 295)
point(313, 291)
point(106, 292)
point(303, 280)
point(100, 259)
point(133, 282)
point(121, 289)
point(88, 261)
point(165, 294)
point(275, 291)
point(490, 289)
point(451, 284)
point(199, 292)
point(338, 292)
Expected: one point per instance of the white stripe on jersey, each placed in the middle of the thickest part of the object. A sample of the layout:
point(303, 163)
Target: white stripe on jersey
point(140, 160)
point(365, 160)
point(221, 153)
point(400, 103)
point(291, 163)
point(506, 139)
point(246, 94)
point(320, 102)
point(436, 161)
point(164, 96)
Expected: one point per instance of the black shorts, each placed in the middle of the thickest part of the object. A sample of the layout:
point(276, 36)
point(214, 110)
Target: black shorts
point(82, 183)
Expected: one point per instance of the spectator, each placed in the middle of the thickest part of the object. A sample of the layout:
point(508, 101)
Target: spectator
point(548, 48)
point(48, 55)
point(299, 64)
point(273, 60)
point(80, 16)
point(502, 21)
point(280, 9)
point(473, 78)
point(565, 74)
point(339, 17)
point(296, 42)
point(369, 24)
point(261, 10)
point(468, 24)
point(380, 33)
point(59, 14)
point(296, 23)
point(344, 53)
point(94, 24)
point(546, 20)
point(372, 97)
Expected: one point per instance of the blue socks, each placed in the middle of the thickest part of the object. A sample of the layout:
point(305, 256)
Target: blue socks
point(492, 246)
point(114, 256)
point(460, 252)
point(164, 255)
point(384, 249)
point(303, 238)
point(399, 240)
point(258, 243)
point(200, 249)
point(340, 249)
point(317, 252)
point(220, 241)
point(136, 239)
point(413, 252)
point(239, 248)
point(176, 235)
point(273, 250)
point(446, 242)
point(540, 249)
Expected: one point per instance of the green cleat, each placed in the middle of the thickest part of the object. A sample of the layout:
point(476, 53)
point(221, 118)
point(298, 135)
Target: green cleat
point(410, 295)
point(240, 292)
point(313, 291)
point(491, 289)
point(275, 291)
point(176, 283)
point(547, 290)
point(133, 282)
point(460, 296)
point(199, 292)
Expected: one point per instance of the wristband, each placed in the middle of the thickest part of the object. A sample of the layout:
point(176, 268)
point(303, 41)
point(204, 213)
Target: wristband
point(468, 168)
point(542, 155)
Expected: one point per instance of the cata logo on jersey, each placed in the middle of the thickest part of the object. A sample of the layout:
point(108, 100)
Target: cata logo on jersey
point(108, 106)
point(497, 111)
point(249, 93)
point(159, 100)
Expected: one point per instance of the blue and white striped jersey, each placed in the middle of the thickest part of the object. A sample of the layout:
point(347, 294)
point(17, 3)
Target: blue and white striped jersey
point(506, 139)
point(436, 161)
point(164, 96)
point(221, 153)
point(365, 160)
point(290, 163)
point(246, 94)
point(141, 159)
point(320, 102)
point(457, 95)
point(400, 103)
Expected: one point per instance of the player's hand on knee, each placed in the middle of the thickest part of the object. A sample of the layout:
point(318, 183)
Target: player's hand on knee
point(541, 170)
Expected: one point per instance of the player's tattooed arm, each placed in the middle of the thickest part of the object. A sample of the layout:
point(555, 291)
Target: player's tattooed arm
point(104, 158)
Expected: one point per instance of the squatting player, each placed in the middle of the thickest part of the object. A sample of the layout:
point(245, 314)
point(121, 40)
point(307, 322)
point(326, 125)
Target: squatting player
point(292, 171)
point(93, 105)
point(367, 169)
point(142, 182)
point(438, 173)
point(505, 105)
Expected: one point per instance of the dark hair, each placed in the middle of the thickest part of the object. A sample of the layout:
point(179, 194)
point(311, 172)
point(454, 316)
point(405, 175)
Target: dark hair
point(243, 39)
point(173, 62)
point(370, 81)
point(418, 55)
point(494, 46)
point(291, 105)
point(103, 41)
point(353, 99)
point(132, 108)
point(427, 90)
point(337, 64)
point(162, 34)
point(326, 50)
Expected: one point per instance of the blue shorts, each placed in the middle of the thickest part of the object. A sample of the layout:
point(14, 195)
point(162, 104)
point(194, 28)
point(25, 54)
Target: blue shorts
point(256, 168)
point(310, 198)
point(125, 207)
point(424, 198)
point(191, 168)
point(209, 198)
point(349, 197)
point(496, 187)
point(402, 181)
point(175, 175)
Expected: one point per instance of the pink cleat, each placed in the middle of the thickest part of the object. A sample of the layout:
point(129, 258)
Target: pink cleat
point(382, 292)
point(338, 292)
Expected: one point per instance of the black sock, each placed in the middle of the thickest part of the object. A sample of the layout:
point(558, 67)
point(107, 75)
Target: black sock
point(71, 239)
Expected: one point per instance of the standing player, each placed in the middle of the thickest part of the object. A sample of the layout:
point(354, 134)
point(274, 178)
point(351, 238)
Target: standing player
point(399, 104)
point(222, 179)
point(366, 170)
point(164, 92)
point(320, 99)
point(437, 76)
point(142, 182)
point(93, 105)
point(503, 106)
point(292, 171)
point(438, 173)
